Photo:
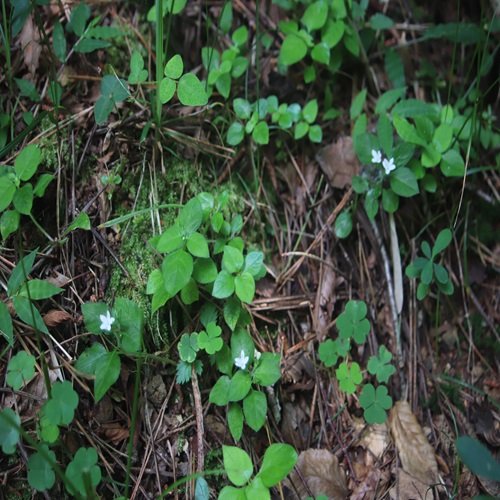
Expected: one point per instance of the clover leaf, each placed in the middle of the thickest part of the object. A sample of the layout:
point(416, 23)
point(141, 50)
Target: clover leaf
point(210, 340)
point(188, 347)
point(21, 369)
point(349, 377)
point(379, 366)
point(375, 403)
point(353, 323)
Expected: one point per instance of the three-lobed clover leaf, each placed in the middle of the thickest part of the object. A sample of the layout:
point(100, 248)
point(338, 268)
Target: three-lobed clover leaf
point(375, 403)
point(353, 323)
point(10, 422)
point(188, 347)
point(380, 366)
point(40, 473)
point(210, 340)
point(21, 369)
point(349, 377)
point(60, 409)
point(82, 471)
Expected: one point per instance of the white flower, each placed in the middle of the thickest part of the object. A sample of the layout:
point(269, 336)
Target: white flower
point(256, 354)
point(376, 156)
point(242, 361)
point(106, 321)
point(388, 165)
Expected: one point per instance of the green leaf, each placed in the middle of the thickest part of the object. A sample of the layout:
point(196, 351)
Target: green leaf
point(81, 221)
point(452, 164)
point(204, 271)
point(315, 15)
point(478, 458)
point(191, 216)
point(301, 130)
point(224, 361)
point(190, 293)
point(388, 99)
point(260, 133)
point(232, 493)
point(348, 377)
point(332, 32)
point(237, 464)
point(255, 409)
point(225, 22)
point(219, 394)
point(357, 104)
point(375, 403)
point(410, 108)
point(403, 182)
point(9, 223)
point(442, 241)
point(232, 311)
point(202, 490)
point(21, 369)
point(267, 370)
point(223, 285)
point(28, 89)
point(131, 320)
point(343, 224)
point(90, 359)
point(106, 374)
point(60, 409)
point(320, 53)
point(191, 92)
point(40, 473)
point(240, 36)
point(407, 131)
point(440, 273)
point(59, 41)
point(188, 347)
point(198, 246)
point(279, 460)
point(242, 108)
point(293, 49)
point(6, 327)
point(232, 259)
point(442, 137)
point(210, 340)
point(353, 323)
point(244, 286)
point(102, 108)
point(372, 201)
point(23, 199)
point(235, 420)
point(327, 352)
point(379, 366)
point(177, 269)
point(385, 134)
point(170, 240)
point(239, 385)
point(381, 22)
point(310, 111)
point(82, 471)
point(395, 68)
point(39, 289)
point(174, 67)
point(86, 45)
point(235, 133)
point(29, 313)
point(27, 162)
point(167, 89)
point(7, 190)
point(390, 201)
point(78, 19)
point(114, 88)
point(10, 423)
point(183, 371)
point(253, 263)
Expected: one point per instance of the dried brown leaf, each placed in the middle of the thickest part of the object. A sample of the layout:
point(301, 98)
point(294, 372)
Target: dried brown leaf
point(321, 472)
point(55, 317)
point(415, 451)
point(339, 162)
point(30, 42)
point(115, 433)
point(409, 487)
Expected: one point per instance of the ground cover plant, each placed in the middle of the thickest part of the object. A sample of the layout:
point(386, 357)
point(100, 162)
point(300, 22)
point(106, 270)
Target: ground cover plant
point(249, 250)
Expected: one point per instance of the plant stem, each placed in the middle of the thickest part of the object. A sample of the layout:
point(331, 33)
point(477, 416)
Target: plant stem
point(199, 419)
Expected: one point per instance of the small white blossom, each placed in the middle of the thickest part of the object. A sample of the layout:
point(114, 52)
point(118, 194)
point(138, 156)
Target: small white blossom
point(106, 321)
point(256, 354)
point(376, 156)
point(388, 165)
point(242, 361)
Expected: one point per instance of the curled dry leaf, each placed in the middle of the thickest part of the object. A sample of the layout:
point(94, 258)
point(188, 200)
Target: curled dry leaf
point(321, 472)
point(55, 317)
point(339, 162)
point(416, 453)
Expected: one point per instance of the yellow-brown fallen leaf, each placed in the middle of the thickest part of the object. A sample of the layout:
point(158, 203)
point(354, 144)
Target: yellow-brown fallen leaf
point(415, 452)
point(55, 317)
point(321, 471)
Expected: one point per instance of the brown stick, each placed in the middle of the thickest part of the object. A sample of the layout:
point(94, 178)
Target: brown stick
point(199, 420)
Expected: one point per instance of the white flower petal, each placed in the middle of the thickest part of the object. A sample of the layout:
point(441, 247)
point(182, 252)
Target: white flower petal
point(376, 156)
point(106, 321)
point(242, 361)
point(388, 165)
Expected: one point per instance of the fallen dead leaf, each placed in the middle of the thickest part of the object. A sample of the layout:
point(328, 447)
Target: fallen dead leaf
point(321, 472)
point(416, 453)
point(339, 162)
point(29, 39)
point(374, 439)
point(55, 317)
point(409, 487)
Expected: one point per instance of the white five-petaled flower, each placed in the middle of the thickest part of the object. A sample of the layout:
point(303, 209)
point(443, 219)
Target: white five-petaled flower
point(376, 156)
point(242, 361)
point(388, 165)
point(106, 321)
point(256, 354)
